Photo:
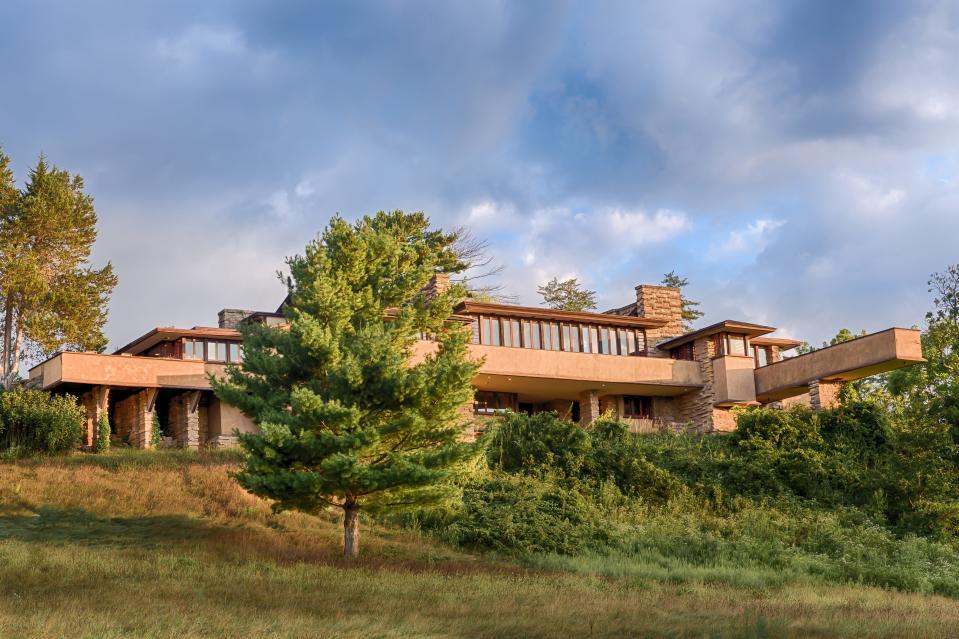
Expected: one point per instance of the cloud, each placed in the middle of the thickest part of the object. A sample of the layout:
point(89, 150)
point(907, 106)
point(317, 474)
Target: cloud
point(751, 240)
point(796, 161)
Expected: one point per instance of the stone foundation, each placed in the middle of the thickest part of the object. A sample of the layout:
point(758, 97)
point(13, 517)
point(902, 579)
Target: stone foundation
point(824, 394)
point(588, 407)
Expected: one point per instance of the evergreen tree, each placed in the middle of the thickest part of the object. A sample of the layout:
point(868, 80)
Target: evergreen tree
point(567, 295)
point(690, 309)
point(349, 418)
point(50, 297)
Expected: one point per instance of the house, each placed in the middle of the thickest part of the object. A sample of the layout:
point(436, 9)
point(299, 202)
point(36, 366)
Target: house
point(635, 362)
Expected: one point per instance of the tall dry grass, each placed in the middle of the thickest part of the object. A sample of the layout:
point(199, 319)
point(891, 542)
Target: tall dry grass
point(136, 544)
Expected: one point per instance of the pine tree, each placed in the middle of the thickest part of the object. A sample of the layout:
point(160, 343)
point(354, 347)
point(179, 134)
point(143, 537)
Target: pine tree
point(347, 419)
point(51, 298)
point(567, 295)
point(690, 309)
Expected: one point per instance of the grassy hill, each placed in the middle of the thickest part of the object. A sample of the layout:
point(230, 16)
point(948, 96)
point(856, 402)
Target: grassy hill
point(161, 544)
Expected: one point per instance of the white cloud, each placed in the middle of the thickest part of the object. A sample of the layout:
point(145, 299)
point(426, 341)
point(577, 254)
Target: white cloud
point(198, 42)
point(630, 229)
point(752, 239)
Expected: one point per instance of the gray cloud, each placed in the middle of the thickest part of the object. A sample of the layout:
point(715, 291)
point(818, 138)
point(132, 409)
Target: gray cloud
point(808, 148)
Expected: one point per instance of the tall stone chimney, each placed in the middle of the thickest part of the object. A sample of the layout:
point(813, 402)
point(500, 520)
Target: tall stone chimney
point(660, 302)
point(439, 283)
point(231, 317)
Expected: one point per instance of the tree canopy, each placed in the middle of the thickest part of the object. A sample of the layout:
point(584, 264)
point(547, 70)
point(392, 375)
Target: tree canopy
point(51, 298)
point(690, 309)
point(353, 414)
point(568, 295)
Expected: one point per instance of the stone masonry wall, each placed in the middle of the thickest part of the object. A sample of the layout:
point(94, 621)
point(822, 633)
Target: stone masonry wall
point(824, 394)
point(660, 302)
point(588, 407)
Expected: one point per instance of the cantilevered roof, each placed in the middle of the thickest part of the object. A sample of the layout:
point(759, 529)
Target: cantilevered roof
point(726, 326)
point(781, 342)
point(535, 312)
point(167, 333)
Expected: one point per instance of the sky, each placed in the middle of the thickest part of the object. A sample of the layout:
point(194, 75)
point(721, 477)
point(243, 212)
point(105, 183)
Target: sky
point(797, 161)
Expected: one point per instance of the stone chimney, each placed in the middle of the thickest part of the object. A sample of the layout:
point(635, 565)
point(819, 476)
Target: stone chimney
point(439, 283)
point(231, 317)
point(660, 302)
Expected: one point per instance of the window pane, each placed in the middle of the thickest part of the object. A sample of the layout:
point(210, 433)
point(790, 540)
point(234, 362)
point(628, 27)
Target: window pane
point(514, 325)
point(536, 340)
point(603, 340)
point(554, 336)
point(631, 342)
point(234, 352)
point(574, 337)
point(594, 339)
point(624, 348)
point(484, 330)
point(221, 351)
point(494, 331)
point(584, 335)
point(737, 345)
point(527, 335)
point(507, 339)
point(566, 343)
point(762, 357)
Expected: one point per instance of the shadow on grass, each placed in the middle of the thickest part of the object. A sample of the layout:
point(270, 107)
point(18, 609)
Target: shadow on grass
point(77, 526)
point(132, 458)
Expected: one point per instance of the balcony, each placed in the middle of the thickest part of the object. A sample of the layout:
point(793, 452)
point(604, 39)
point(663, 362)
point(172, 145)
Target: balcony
point(563, 375)
point(869, 355)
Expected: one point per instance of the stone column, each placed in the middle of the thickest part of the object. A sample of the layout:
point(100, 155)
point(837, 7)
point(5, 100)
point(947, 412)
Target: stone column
point(141, 430)
point(185, 419)
point(588, 407)
point(824, 394)
point(96, 403)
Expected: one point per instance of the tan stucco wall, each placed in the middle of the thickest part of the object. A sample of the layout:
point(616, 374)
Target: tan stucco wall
point(869, 355)
point(525, 362)
point(121, 370)
point(734, 380)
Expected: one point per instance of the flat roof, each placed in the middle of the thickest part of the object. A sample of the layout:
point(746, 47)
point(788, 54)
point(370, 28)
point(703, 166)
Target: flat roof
point(726, 326)
point(167, 333)
point(781, 342)
point(537, 312)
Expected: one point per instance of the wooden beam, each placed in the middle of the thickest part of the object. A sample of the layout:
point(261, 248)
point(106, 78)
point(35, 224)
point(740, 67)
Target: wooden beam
point(194, 400)
point(151, 398)
point(102, 397)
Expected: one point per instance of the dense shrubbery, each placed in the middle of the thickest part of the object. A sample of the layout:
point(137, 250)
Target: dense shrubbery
point(842, 495)
point(35, 422)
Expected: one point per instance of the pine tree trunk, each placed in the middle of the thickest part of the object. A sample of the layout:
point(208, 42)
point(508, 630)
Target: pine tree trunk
point(15, 357)
point(351, 530)
point(7, 335)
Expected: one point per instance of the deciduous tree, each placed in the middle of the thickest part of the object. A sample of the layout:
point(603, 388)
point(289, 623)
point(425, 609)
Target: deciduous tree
point(349, 418)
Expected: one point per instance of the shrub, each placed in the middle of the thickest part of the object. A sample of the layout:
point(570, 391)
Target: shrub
point(102, 442)
point(37, 422)
point(537, 443)
point(155, 431)
point(516, 513)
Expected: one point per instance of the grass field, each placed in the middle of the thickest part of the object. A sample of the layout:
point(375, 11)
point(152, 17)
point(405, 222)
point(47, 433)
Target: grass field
point(140, 544)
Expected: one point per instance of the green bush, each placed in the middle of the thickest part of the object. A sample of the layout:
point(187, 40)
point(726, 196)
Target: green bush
point(102, 442)
point(36, 422)
point(537, 443)
point(155, 431)
point(843, 495)
point(517, 513)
